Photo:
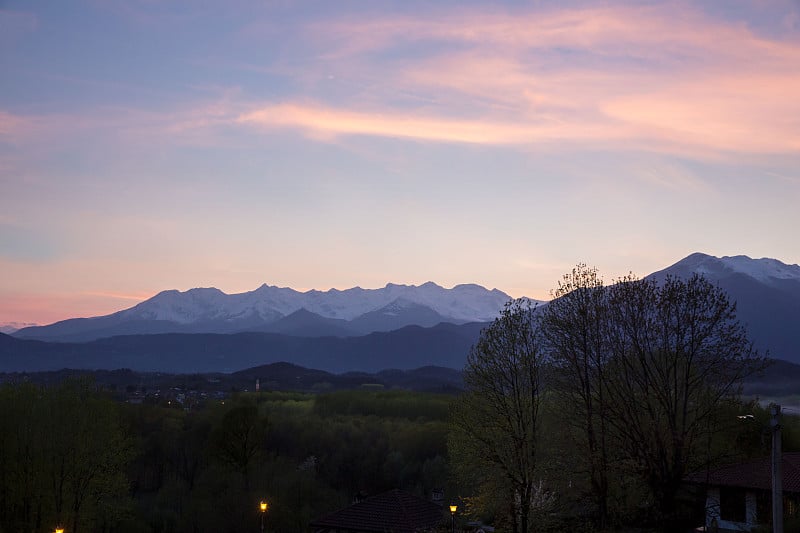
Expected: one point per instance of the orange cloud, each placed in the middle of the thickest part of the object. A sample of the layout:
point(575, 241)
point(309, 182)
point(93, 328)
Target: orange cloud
point(138, 297)
point(326, 122)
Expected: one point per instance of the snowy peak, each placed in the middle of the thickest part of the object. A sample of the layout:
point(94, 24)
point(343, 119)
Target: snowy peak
point(764, 270)
point(180, 307)
point(334, 312)
point(766, 292)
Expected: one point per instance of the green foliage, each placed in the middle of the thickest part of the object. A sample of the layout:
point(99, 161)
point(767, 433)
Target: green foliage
point(71, 455)
point(494, 425)
point(63, 458)
point(239, 439)
point(384, 404)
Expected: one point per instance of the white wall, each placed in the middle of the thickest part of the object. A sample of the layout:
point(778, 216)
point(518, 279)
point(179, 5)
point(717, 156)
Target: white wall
point(712, 512)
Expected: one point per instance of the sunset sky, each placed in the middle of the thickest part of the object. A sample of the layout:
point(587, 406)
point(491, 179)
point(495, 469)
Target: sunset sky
point(149, 145)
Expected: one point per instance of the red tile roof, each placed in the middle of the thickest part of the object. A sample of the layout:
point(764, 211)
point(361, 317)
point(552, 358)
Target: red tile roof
point(395, 511)
point(755, 474)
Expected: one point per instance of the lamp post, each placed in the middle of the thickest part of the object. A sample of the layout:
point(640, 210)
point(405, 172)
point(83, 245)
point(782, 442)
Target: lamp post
point(263, 506)
point(453, 509)
point(776, 459)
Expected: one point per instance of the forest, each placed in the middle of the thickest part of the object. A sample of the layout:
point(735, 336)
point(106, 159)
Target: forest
point(71, 455)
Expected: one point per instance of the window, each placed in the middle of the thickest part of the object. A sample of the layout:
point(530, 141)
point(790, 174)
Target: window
point(732, 504)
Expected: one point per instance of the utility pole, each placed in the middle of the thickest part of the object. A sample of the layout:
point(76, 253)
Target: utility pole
point(777, 478)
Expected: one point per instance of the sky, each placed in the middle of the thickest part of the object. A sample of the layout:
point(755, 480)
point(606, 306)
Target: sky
point(148, 145)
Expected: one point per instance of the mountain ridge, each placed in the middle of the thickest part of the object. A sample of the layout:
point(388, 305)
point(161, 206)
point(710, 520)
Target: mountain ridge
point(410, 347)
point(209, 310)
point(766, 292)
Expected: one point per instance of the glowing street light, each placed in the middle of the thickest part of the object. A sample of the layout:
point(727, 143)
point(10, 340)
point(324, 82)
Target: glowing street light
point(263, 506)
point(453, 509)
point(59, 530)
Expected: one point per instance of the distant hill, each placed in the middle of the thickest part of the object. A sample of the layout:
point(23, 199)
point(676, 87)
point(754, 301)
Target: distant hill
point(287, 376)
point(766, 291)
point(345, 313)
point(443, 345)
point(274, 376)
point(781, 379)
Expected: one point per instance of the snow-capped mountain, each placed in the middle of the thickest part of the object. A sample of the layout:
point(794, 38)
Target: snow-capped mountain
point(766, 291)
point(764, 270)
point(356, 311)
point(462, 303)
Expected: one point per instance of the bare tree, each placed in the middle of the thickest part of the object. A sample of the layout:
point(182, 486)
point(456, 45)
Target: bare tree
point(495, 420)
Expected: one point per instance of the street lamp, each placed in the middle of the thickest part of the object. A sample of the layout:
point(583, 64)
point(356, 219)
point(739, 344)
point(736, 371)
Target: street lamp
point(453, 509)
point(263, 506)
point(59, 530)
point(775, 460)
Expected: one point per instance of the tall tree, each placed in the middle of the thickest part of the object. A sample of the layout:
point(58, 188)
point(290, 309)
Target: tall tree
point(575, 328)
point(495, 420)
point(648, 367)
point(678, 353)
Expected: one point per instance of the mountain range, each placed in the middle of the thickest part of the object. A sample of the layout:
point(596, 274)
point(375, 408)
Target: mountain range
point(352, 312)
point(399, 326)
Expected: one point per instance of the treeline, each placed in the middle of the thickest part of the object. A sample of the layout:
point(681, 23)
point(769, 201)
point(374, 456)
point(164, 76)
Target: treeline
point(71, 456)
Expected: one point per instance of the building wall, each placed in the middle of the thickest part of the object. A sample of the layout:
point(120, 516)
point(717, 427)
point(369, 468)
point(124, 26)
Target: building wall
point(713, 513)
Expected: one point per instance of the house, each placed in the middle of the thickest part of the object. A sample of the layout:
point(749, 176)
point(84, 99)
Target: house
point(739, 496)
point(395, 511)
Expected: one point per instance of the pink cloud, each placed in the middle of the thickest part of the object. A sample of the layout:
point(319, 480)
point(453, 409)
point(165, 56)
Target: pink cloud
point(660, 78)
point(326, 122)
point(657, 77)
point(658, 31)
point(729, 114)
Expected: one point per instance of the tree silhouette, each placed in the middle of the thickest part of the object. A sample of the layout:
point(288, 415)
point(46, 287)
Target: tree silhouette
point(495, 421)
